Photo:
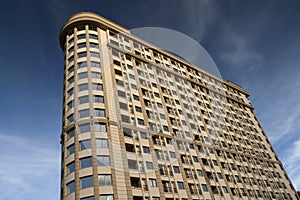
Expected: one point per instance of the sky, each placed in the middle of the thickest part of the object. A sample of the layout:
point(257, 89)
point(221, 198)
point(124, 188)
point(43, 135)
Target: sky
point(254, 43)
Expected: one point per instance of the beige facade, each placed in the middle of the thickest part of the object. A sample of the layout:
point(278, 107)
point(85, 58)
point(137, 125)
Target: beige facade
point(140, 123)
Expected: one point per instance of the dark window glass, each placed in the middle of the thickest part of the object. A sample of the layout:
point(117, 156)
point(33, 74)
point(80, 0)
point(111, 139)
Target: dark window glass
point(86, 182)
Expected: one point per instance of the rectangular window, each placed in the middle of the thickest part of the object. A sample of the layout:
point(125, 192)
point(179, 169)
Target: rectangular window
point(71, 80)
point(99, 112)
point(93, 36)
point(85, 162)
point(70, 105)
point(152, 182)
point(101, 143)
point(85, 144)
point(71, 69)
point(141, 122)
point(81, 45)
point(88, 198)
point(70, 92)
point(86, 182)
point(138, 109)
point(106, 197)
point(135, 97)
point(94, 45)
point(95, 54)
point(146, 149)
point(104, 179)
point(103, 161)
point(176, 169)
point(81, 36)
point(149, 165)
point(180, 185)
point(204, 187)
point(172, 154)
point(100, 127)
point(143, 135)
point(132, 164)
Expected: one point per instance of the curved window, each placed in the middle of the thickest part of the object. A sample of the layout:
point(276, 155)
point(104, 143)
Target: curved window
point(100, 127)
point(94, 45)
point(96, 75)
point(94, 54)
point(84, 113)
point(95, 64)
point(71, 133)
point(84, 128)
point(70, 105)
point(71, 40)
point(98, 99)
point(82, 64)
point(81, 45)
point(85, 162)
point(71, 149)
point(101, 143)
point(71, 187)
point(86, 182)
point(70, 118)
point(71, 80)
point(104, 179)
point(70, 92)
point(71, 167)
point(83, 87)
point(71, 69)
point(71, 49)
point(81, 54)
point(81, 36)
point(97, 86)
point(83, 99)
point(103, 160)
point(71, 59)
point(99, 112)
point(85, 144)
point(93, 36)
point(82, 75)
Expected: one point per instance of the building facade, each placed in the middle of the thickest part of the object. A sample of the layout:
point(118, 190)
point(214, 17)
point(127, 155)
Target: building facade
point(141, 123)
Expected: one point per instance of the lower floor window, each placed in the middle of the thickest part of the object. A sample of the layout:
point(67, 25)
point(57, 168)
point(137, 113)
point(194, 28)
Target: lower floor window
point(106, 197)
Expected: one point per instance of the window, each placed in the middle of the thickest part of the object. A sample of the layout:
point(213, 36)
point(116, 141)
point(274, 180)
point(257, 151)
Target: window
point(71, 133)
point(97, 86)
point(155, 198)
point(133, 86)
point(98, 99)
point(166, 128)
point(94, 54)
point(132, 164)
point(225, 189)
point(81, 45)
point(176, 169)
point(106, 197)
point(180, 185)
point(219, 175)
point(85, 162)
point(82, 64)
point(104, 179)
point(94, 45)
point(146, 149)
point(86, 182)
point(70, 92)
point(195, 159)
point(71, 69)
point(71, 187)
point(81, 54)
point(99, 112)
point(88, 198)
point(101, 143)
point(84, 113)
point(152, 183)
point(140, 122)
point(71, 167)
point(172, 154)
point(131, 76)
point(143, 135)
point(93, 36)
point(83, 99)
point(71, 40)
point(71, 59)
point(103, 160)
point(95, 64)
point(82, 75)
point(71, 80)
point(138, 109)
point(83, 87)
point(71, 149)
point(162, 116)
point(96, 75)
point(81, 36)
point(135, 97)
point(100, 127)
point(199, 172)
point(83, 128)
point(204, 187)
point(85, 144)
point(149, 165)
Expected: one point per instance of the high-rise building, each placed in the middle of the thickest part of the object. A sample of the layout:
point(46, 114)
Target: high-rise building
point(141, 123)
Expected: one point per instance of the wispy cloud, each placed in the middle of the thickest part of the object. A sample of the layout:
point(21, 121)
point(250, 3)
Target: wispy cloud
point(28, 168)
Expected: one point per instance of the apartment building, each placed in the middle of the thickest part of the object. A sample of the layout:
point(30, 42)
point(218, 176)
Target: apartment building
point(141, 123)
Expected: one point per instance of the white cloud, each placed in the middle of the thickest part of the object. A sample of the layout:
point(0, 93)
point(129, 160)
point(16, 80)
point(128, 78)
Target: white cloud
point(28, 168)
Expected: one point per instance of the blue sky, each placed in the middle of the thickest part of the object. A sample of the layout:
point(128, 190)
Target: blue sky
point(254, 43)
